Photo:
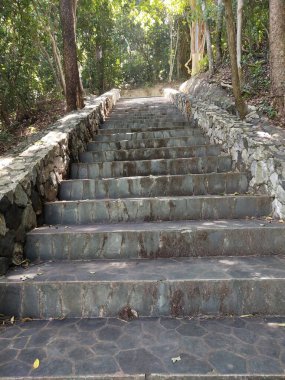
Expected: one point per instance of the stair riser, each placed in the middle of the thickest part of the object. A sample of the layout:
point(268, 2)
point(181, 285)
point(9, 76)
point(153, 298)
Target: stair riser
point(136, 136)
point(154, 143)
point(143, 126)
point(196, 165)
point(150, 153)
point(154, 244)
point(151, 210)
point(199, 184)
point(90, 299)
point(145, 129)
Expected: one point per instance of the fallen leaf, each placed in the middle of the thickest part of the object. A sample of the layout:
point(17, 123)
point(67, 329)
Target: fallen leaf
point(276, 324)
point(36, 364)
point(174, 360)
point(246, 316)
point(26, 319)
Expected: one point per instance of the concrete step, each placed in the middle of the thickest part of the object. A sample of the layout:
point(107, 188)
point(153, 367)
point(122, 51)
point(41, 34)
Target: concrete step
point(147, 124)
point(145, 129)
point(156, 209)
point(154, 186)
point(109, 169)
point(229, 348)
point(153, 143)
point(162, 239)
point(151, 153)
point(154, 288)
point(161, 134)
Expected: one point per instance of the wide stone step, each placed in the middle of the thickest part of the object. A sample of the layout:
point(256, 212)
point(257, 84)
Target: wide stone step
point(153, 186)
point(148, 124)
point(151, 153)
point(145, 129)
point(153, 143)
point(156, 209)
point(162, 239)
point(154, 288)
point(109, 169)
point(162, 134)
point(229, 348)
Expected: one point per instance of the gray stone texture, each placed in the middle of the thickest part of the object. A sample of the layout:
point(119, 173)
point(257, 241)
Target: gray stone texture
point(32, 177)
point(142, 349)
point(254, 144)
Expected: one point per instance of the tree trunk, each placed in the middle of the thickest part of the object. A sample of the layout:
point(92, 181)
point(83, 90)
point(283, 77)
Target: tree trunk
point(51, 63)
point(240, 104)
point(57, 59)
point(197, 40)
point(74, 96)
point(208, 39)
point(240, 5)
point(221, 11)
point(277, 54)
point(173, 54)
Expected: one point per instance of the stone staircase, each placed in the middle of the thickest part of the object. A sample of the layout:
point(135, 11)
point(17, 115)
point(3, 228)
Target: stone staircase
point(151, 186)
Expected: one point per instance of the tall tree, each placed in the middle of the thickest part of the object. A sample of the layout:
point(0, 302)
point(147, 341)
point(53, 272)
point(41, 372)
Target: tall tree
point(220, 18)
point(277, 53)
point(74, 95)
point(208, 38)
point(231, 34)
point(240, 5)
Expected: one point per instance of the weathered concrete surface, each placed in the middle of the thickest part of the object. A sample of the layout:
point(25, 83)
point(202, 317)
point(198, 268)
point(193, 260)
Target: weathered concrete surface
point(32, 177)
point(160, 134)
point(151, 240)
point(153, 186)
point(156, 209)
point(153, 143)
point(223, 349)
point(162, 287)
point(163, 166)
point(151, 153)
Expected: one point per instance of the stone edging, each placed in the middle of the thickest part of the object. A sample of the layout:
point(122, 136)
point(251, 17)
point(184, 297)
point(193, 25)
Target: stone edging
point(256, 148)
point(32, 177)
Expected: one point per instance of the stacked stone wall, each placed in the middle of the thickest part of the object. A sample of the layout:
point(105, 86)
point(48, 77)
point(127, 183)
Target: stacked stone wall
point(32, 177)
point(253, 145)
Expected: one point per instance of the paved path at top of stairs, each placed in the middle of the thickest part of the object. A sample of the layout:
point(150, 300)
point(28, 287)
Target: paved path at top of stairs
point(151, 186)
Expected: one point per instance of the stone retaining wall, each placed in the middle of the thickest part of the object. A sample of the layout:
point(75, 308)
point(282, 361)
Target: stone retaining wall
point(253, 145)
point(33, 177)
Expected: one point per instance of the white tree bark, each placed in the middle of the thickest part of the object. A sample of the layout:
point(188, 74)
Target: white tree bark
point(240, 5)
point(208, 39)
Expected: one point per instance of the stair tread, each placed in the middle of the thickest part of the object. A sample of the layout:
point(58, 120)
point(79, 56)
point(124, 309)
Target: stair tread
point(231, 348)
point(142, 270)
point(164, 147)
point(221, 224)
point(150, 176)
point(171, 197)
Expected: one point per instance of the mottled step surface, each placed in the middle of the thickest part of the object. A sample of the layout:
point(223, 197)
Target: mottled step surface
point(147, 124)
point(162, 134)
point(151, 153)
point(207, 349)
point(162, 287)
point(151, 240)
point(154, 186)
point(146, 129)
point(192, 165)
point(157, 209)
point(153, 143)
